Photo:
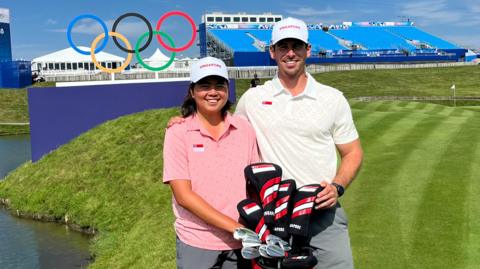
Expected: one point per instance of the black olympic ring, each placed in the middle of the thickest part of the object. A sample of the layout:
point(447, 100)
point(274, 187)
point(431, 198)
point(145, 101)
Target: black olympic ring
point(132, 14)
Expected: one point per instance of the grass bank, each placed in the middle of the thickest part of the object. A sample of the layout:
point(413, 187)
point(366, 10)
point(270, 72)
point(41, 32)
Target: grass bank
point(108, 178)
point(14, 109)
point(415, 197)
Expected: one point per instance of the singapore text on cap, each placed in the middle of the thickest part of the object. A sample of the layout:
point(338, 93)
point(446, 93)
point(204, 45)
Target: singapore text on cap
point(289, 28)
point(208, 66)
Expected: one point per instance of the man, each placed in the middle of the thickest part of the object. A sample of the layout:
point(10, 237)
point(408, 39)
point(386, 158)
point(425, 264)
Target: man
point(299, 125)
point(255, 81)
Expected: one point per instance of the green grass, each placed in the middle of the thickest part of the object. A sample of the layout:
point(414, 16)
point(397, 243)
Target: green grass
point(14, 105)
point(416, 195)
point(415, 198)
point(14, 108)
point(415, 203)
point(405, 82)
point(108, 178)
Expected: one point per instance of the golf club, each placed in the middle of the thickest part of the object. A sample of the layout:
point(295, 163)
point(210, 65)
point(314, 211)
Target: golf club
point(250, 253)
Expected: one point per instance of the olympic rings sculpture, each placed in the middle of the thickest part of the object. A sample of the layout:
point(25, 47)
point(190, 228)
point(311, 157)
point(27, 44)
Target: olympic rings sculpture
point(171, 47)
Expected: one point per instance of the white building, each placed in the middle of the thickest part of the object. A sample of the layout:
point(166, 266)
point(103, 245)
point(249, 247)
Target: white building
point(70, 61)
point(219, 17)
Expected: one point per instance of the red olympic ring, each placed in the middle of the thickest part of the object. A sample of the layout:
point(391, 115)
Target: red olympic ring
point(190, 20)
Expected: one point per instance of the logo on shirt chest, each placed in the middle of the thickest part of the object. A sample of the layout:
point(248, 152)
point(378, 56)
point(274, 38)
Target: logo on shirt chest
point(267, 103)
point(198, 148)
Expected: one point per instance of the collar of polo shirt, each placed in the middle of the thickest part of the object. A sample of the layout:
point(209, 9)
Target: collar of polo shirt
point(309, 90)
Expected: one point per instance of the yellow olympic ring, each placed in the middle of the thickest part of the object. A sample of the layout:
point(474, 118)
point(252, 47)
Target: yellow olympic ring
point(97, 64)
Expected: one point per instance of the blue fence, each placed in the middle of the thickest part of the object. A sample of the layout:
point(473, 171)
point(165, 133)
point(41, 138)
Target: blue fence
point(15, 74)
point(57, 115)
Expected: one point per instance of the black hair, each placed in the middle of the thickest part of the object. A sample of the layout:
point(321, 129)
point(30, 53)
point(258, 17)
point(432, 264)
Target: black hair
point(189, 107)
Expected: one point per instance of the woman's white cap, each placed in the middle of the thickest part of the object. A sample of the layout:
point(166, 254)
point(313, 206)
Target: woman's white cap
point(289, 28)
point(208, 66)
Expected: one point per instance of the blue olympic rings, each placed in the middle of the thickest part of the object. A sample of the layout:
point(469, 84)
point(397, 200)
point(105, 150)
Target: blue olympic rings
point(87, 16)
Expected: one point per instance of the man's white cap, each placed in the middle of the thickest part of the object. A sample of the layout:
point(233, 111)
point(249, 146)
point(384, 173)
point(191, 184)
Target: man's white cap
point(289, 28)
point(208, 66)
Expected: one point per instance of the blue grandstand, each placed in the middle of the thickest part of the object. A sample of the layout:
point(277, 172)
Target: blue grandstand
point(414, 34)
point(243, 40)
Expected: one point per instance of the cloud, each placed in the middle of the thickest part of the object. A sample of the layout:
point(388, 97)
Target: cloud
point(475, 8)
point(92, 27)
point(51, 22)
point(464, 40)
point(310, 12)
point(431, 12)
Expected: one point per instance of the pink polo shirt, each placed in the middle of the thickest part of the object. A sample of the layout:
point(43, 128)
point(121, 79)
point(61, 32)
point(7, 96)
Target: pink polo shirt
point(215, 169)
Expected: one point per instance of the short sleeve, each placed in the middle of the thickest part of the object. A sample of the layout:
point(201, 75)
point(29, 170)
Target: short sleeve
point(254, 156)
point(240, 109)
point(175, 159)
point(344, 130)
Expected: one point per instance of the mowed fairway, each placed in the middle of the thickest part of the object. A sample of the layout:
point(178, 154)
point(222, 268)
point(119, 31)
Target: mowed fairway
point(416, 202)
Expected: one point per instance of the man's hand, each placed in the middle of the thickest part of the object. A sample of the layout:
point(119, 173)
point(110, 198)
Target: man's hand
point(175, 120)
point(328, 197)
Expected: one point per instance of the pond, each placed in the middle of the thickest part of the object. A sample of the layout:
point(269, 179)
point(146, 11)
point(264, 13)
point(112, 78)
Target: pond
point(30, 244)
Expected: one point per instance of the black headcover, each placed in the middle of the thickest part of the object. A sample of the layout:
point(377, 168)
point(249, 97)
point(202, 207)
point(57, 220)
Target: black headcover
point(303, 203)
point(264, 179)
point(283, 208)
point(303, 259)
point(251, 213)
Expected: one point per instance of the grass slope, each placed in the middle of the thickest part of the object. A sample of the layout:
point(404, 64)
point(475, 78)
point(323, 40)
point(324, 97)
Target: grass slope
point(14, 108)
point(109, 178)
point(414, 205)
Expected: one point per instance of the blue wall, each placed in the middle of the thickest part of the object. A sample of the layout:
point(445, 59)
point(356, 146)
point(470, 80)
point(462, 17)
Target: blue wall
point(252, 58)
point(5, 42)
point(202, 38)
point(15, 74)
point(382, 59)
point(57, 115)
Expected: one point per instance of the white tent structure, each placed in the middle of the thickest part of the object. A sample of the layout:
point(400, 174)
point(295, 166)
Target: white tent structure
point(159, 59)
point(70, 61)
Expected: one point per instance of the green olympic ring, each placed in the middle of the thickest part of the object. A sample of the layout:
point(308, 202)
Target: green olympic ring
point(139, 58)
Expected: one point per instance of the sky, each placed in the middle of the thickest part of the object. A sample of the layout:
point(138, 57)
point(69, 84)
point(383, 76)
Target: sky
point(40, 27)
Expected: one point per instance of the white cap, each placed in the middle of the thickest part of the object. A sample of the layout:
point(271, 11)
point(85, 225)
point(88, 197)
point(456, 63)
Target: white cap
point(289, 28)
point(208, 66)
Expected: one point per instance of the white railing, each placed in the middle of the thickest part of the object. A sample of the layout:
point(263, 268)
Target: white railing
point(240, 72)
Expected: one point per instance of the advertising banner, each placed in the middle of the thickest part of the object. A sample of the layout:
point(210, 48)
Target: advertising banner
point(4, 15)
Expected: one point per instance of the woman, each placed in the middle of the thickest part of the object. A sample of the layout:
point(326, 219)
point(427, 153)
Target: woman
point(204, 158)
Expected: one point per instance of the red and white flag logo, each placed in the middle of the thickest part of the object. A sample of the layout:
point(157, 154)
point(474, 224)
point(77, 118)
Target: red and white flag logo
point(308, 189)
point(198, 148)
point(250, 208)
point(262, 168)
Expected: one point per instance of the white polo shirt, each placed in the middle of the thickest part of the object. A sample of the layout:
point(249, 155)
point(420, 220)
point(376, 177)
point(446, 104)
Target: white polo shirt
point(299, 133)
